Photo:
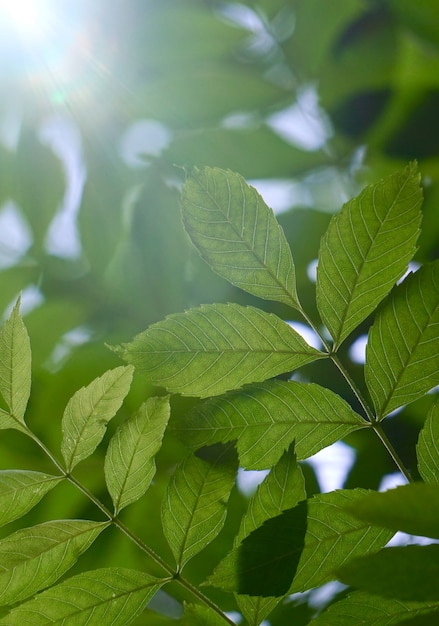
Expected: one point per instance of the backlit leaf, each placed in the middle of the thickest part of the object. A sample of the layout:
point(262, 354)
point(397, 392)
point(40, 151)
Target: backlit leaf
point(198, 615)
point(7, 421)
point(21, 490)
point(267, 417)
point(427, 449)
point(366, 249)
point(129, 462)
point(300, 548)
point(402, 355)
point(88, 412)
point(194, 509)
point(15, 365)
point(238, 235)
point(217, 347)
point(34, 558)
point(110, 596)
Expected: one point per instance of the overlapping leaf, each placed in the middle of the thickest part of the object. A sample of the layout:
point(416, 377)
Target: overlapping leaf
point(366, 249)
point(88, 412)
point(34, 558)
point(281, 555)
point(194, 509)
point(238, 235)
point(21, 490)
point(427, 449)
point(361, 607)
point(267, 417)
point(110, 596)
point(402, 355)
point(15, 368)
point(214, 348)
point(129, 462)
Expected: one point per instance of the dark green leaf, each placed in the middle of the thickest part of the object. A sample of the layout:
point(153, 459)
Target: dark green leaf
point(266, 418)
point(238, 235)
point(402, 356)
point(21, 490)
point(366, 249)
point(427, 449)
point(217, 347)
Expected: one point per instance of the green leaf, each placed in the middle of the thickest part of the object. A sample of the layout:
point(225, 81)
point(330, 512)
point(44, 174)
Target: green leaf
point(361, 608)
point(198, 615)
point(402, 356)
point(129, 462)
point(300, 548)
point(410, 508)
point(15, 366)
point(267, 417)
point(366, 249)
point(194, 509)
point(427, 449)
point(88, 412)
point(34, 558)
point(282, 489)
point(21, 490)
point(406, 573)
point(217, 347)
point(110, 596)
point(237, 234)
point(8, 421)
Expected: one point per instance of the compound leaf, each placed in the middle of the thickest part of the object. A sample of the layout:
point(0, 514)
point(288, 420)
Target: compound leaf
point(129, 462)
point(194, 509)
point(366, 249)
point(111, 596)
point(217, 347)
point(34, 558)
point(15, 368)
point(198, 615)
point(21, 490)
point(402, 356)
point(88, 412)
point(238, 235)
point(265, 419)
point(427, 449)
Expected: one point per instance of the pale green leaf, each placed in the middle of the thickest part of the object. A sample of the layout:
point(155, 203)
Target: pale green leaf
point(407, 573)
point(412, 508)
point(129, 462)
point(361, 608)
point(217, 347)
point(103, 597)
point(15, 365)
point(366, 249)
point(194, 509)
point(34, 558)
point(198, 615)
point(281, 489)
point(402, 354)
point(267, 417)
point(21, 490)
point(8, 421)
point(88, 412)
point(300, 548)
point(238, 235)
point(427, 449)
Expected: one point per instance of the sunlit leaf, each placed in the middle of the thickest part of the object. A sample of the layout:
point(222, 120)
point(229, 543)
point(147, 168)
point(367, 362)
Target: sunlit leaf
point(88, 412)
point(129, 462)
point(361, 608)
point(34, 558)
point(413, 509)
point(15, 365)
point(21, 490)
point(406, 573)
point(7, 421)
point(198, 615)
point(194, 509)
point(238, 235)
point(281, 555)
point(366, 249)
point(217, 347)
point(427, 449)
point(402, 356)
point(110, 596)
point(267, 417)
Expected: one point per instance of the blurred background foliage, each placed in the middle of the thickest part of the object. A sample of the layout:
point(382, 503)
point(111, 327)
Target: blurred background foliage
point(102, 107)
